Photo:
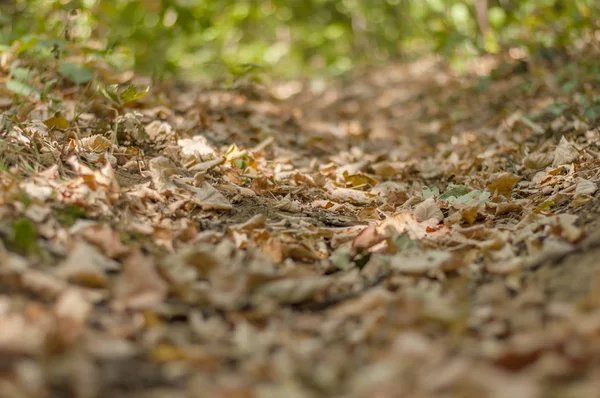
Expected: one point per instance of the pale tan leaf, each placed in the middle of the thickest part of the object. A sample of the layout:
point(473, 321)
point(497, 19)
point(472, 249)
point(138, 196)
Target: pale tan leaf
point(86, 266)
point(96, 143)
point(139, 286)
point(427, 210)
point(585, 187)
point(162, 170)
point(208, 198)
point(419, 262)
point(565, 153)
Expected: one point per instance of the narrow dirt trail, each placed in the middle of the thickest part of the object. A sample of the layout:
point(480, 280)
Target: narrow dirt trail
point(404, 233)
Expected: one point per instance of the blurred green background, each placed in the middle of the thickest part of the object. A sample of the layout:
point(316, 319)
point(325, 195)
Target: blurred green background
point(289, 37)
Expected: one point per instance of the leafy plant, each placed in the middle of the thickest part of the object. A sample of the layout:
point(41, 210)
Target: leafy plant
point(120, 97)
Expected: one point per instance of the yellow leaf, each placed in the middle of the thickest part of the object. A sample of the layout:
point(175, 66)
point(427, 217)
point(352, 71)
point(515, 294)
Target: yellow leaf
point(470, 214)
point(357, 180)
point(167, 352)
point(57, 122)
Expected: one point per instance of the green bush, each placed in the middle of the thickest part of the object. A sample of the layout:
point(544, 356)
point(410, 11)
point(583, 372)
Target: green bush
point(165, 37)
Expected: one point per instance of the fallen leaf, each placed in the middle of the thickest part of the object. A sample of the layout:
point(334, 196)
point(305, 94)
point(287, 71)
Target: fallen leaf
point(428, 210)
point(290, 290)
point(161, 171)
point(503, 184)
point(537, 160)
point(87, 266)
point(57, 122)
point(139, 286)
point(585, 187)
point(208, 198)
point(564, 153)
point(419, 262)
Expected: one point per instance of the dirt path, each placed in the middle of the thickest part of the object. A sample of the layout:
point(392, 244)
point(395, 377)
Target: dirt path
point(405, 233)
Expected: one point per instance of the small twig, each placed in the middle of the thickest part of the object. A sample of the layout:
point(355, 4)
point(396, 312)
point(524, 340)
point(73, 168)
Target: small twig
point(336, 299)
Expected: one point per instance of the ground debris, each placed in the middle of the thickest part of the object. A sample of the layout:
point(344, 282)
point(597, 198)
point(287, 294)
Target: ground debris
point(393, 236)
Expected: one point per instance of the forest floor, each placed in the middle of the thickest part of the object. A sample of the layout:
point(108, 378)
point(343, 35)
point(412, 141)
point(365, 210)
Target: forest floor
point(405, 232)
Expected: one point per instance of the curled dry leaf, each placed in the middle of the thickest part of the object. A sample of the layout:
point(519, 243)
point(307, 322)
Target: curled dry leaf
point(350, 195)
point(208, 198)
point(368, 238)
point(503, 184)
point(428, 210)
point(96, 143)
point(160, 133)
point(162, 170)
point(96, 180)
point(565, 153)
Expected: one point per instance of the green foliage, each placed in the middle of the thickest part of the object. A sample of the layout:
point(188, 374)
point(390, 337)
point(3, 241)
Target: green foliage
point(69, 214)
point(23, 237)
point(213, 37)
point(459, 194)
point(123, 96)
point(78, 74)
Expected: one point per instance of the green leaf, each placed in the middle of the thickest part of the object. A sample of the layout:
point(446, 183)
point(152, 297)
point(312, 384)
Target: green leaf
point(78, 74)
point(427, 192)
point(454, 190)
point(69, 214)
point(27, 44)
point(22, 74)
point(403, 242)
point(131, 93)
point(110, 93)
point(21, 88)
point(23, 237)
point(242, 162)
point(472, 198)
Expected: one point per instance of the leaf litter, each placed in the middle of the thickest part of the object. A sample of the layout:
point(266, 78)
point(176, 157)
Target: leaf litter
point(358, 241)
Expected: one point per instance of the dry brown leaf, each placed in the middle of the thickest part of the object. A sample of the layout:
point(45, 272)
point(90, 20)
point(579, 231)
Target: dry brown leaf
point(290, 290)
point(139, 286)
point(368, 238)
point(503, 184)
point(96, 143)
point(565, 153)
point(538, 160)
point(162, 170)
point(87, 266)
point(420, 262)
point(428, 210)
point(105, 238)
point(349, 195)
point(208, 198)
